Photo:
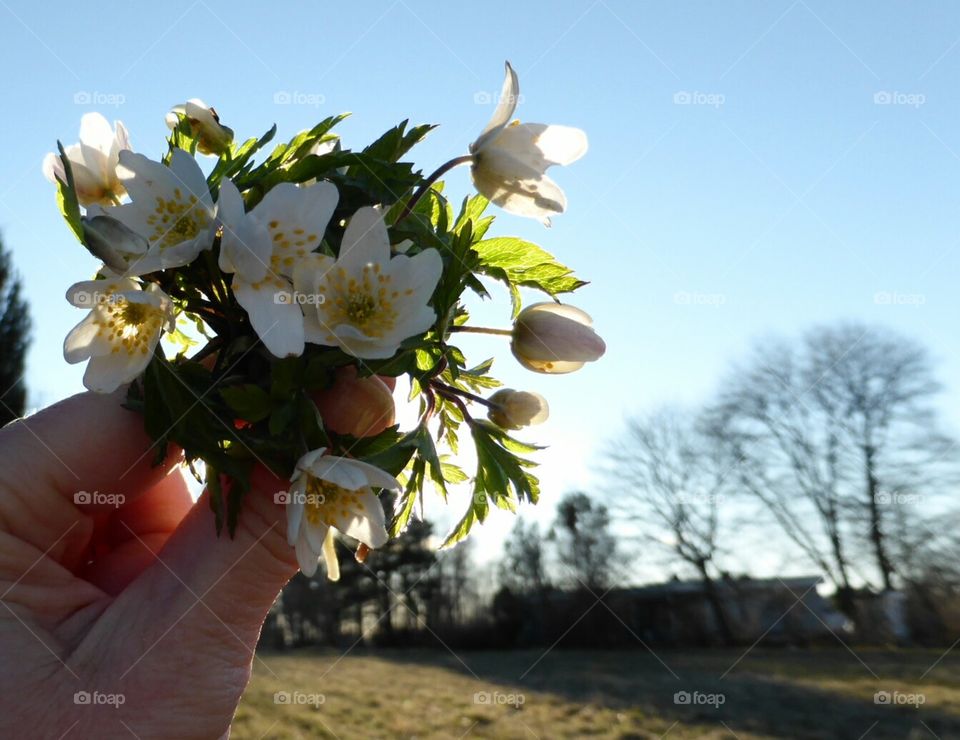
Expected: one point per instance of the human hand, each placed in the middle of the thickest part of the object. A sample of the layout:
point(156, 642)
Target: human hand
point(133, 603)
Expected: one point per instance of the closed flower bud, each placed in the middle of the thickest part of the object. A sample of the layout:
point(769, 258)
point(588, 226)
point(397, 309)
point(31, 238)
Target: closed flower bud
point(515, 409)
point(555, 338)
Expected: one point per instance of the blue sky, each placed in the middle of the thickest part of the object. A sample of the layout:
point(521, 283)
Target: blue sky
point(754, 167)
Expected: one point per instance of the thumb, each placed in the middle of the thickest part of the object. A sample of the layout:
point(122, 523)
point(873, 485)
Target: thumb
point(203, 601)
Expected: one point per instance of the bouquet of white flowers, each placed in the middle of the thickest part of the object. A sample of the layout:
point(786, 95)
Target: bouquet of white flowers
point(314, 263)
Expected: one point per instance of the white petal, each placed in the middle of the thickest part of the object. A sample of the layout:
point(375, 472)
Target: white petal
point(506, 105)
point(53, 168)
point(183, 253)
point(79, 344)
point(188, 174)
point(294, 515)
point(354, 342)
point(366, 522)
point(365, 241)
point(305, 462)
point(339, 471)
point(144, 178)
point(309, 271)
point(278, 324)
point(375, 476)
point(245, 246)
point(541, 146)
point(122, 139)
point(558, 309)
point(419, 273)
point(535, 197)
point(106, 373)
point(95, 132)
point(293, 207)
point(307, 559)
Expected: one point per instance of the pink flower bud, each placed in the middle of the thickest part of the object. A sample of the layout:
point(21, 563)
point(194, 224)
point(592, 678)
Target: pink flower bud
point(517, 409)
point(555, 338)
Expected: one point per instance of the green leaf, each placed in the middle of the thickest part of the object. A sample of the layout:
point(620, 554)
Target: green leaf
point(463, 527)
point(521, 263)
point(67, 197)
point(250, 402)
point(407, 500)
point(282, 417)
point(242, 159)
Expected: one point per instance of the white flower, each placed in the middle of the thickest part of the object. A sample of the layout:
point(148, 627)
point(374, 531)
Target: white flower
point(93, 161)
point(510, 159)
point(367, 303)
point(334, 493)
point(212, 136)
point(170, 207)
point(263, 247)
point(119, 334)
point(517, 409)
point(555, 338)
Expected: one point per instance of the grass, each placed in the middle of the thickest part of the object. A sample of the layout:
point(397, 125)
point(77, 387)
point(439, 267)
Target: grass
point(816, 693)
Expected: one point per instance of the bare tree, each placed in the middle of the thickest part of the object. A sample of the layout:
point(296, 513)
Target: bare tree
point(824, 431)
point(675, 480)
point(878, 388)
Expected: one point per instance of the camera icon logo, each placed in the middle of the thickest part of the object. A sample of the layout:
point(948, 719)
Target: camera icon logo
point(281, 97)
point(283, 498)
point(283, 298)
point(481, 697)
point(881, 697)
point(281, 697)
point(81, 97)
point(681, 697)
point(81, 697)
point(82, 498)
point(681, 97)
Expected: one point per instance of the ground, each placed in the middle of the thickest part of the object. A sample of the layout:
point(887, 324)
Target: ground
point(759, 693)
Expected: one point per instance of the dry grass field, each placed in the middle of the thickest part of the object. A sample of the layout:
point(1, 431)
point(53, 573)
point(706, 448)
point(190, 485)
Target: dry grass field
point(816, 693)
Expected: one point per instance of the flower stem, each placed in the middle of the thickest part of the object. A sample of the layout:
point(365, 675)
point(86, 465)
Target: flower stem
point(482, 330)
point(428, 183)
point(448, 390)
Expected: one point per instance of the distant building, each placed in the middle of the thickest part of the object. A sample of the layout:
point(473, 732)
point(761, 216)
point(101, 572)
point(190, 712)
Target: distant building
point(778, 610)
